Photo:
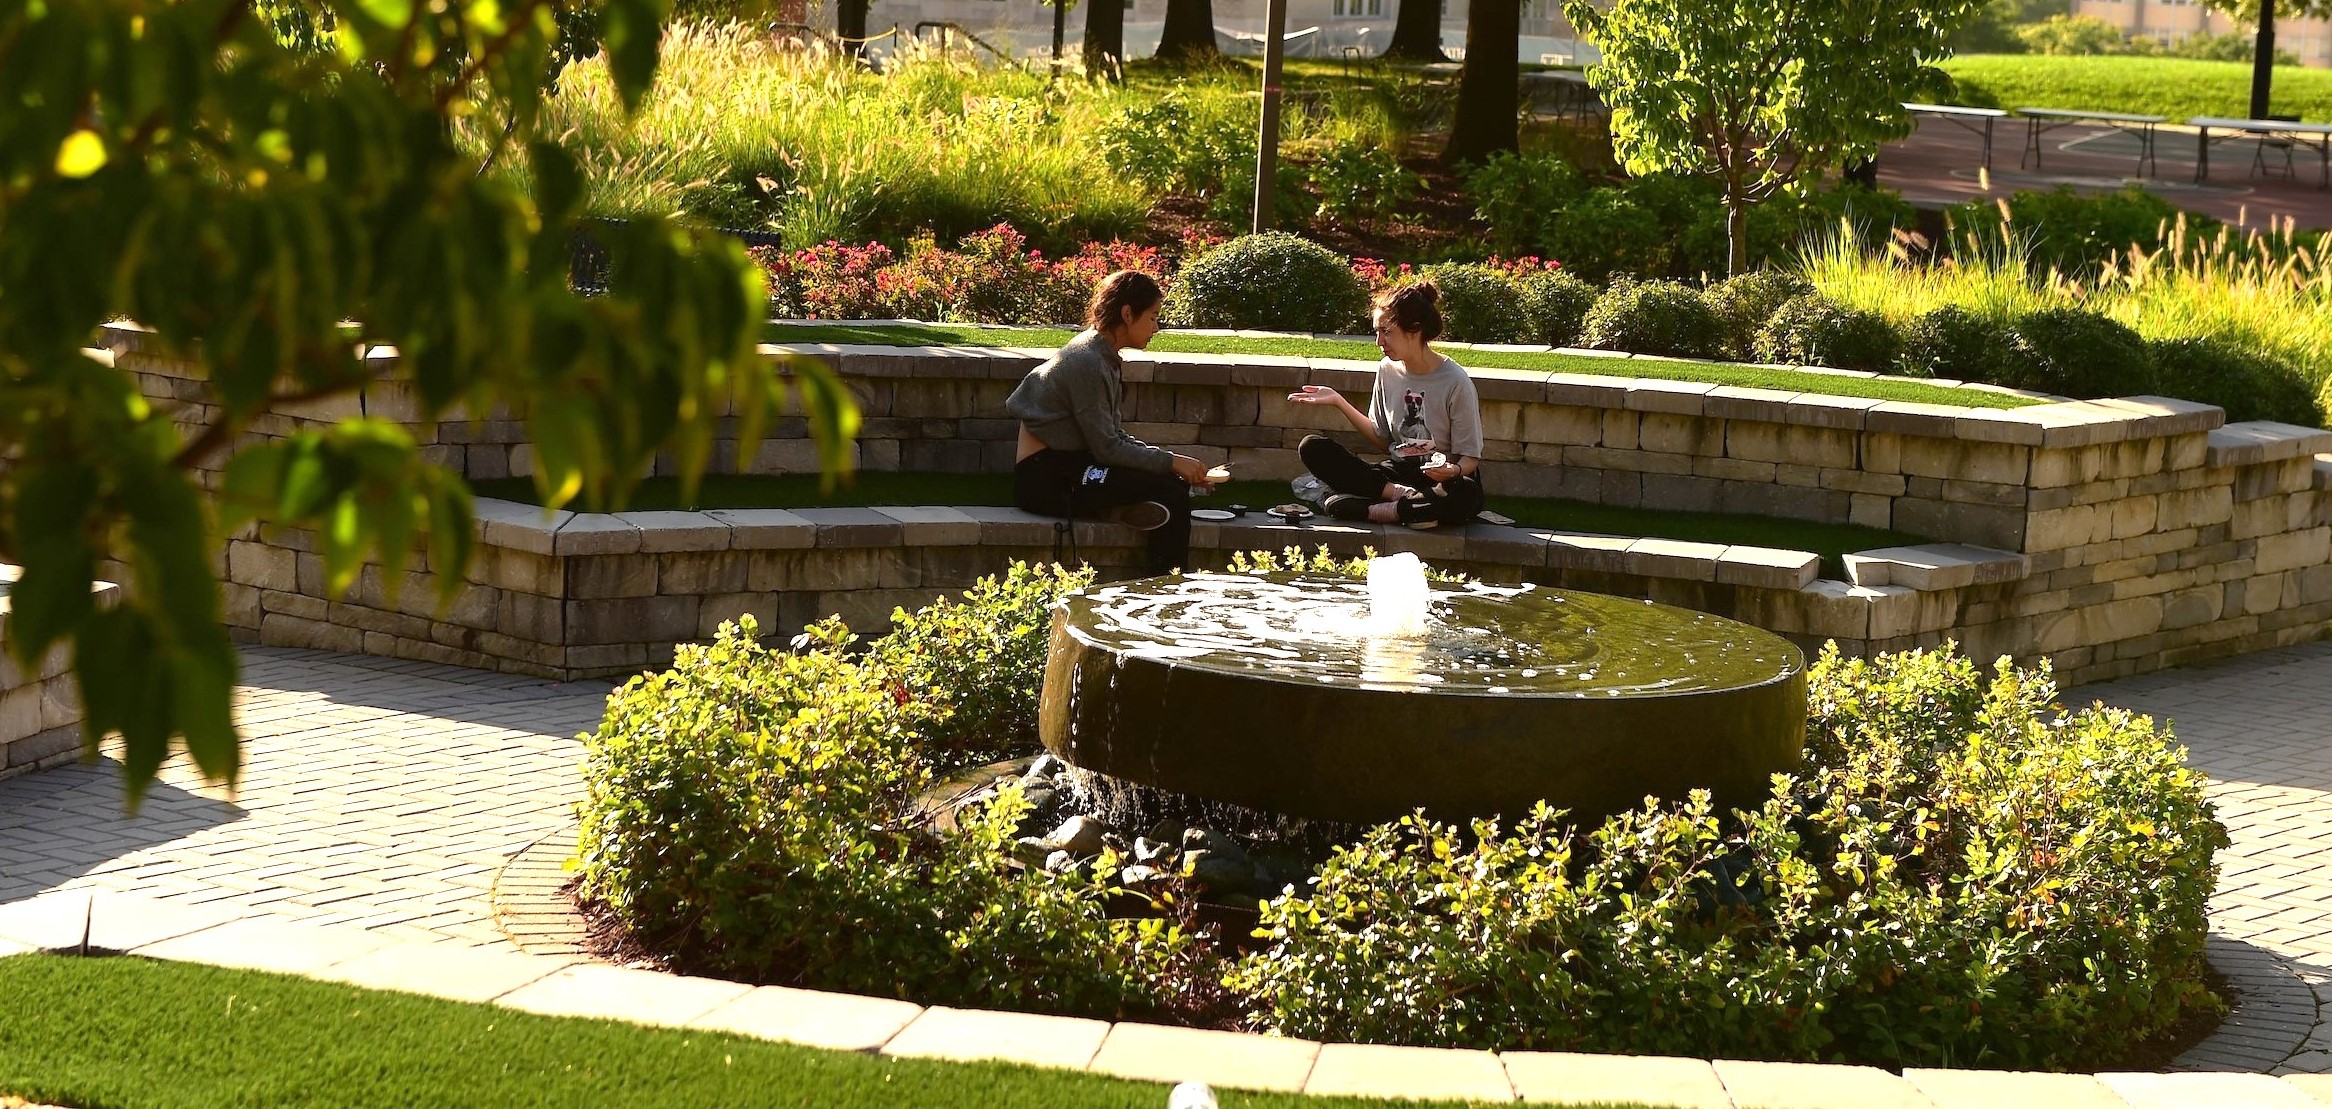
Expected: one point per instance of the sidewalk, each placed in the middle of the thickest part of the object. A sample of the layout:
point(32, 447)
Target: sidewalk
point(384, 795)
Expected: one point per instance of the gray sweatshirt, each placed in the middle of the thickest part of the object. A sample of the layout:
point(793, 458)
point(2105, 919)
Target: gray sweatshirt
point(1070, 403)
point(1440, 406)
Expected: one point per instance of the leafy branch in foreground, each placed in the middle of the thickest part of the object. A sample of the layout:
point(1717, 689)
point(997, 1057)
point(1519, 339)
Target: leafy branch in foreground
point(177, 165)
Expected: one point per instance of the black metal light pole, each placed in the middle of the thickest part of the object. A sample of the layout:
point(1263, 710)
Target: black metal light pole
point(1060, 31)
point(1267, 139)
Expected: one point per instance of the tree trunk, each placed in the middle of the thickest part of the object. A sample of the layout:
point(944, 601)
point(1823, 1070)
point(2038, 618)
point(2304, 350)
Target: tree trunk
point(1105, 40)
point(1417, 32)
point(1060, 31)
point(2263, 61)
point(1488, 105)
point(1189, 33)
point(1736, 236)
point(850, 25)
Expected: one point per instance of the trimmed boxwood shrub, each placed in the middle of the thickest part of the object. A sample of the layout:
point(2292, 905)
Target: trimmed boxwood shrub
point(2079, 354)
point(1744, 302)
point(1272, 282)
point(1814, 330)
point(1952, 342)
point(2248, 384)
point(1962, 872)
point(1556, 301)
point(1480, 304)
point(1653, 317)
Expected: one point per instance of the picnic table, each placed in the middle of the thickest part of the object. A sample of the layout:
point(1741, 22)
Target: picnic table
point(1573, 96)
point(1964, 117)
point(2040, 121)
point(2318, 135)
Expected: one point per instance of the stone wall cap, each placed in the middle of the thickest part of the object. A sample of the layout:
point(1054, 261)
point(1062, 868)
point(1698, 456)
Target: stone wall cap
point(1745, 402)
point(2256, 441)
point(2169, 415)
point(853, 527)
point(1593, 352)
point(2075, 423)
point(934, 525)
point(595, 533)
point(1910, 417)
point(1682, 398)
point(1995, 425)
point(665, 530)
point(767, 529)
point(517, 525)
point(1767, 567)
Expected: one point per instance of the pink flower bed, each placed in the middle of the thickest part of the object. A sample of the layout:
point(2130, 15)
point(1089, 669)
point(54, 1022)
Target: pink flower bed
point(991, 277)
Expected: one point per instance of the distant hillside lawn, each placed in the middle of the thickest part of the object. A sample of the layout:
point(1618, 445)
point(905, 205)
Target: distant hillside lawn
point(2174, 87)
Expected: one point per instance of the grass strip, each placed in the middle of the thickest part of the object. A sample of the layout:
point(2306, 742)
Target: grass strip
point(2176, 87)
point(137, 1032)
point(879, 487)
point(1720, 373)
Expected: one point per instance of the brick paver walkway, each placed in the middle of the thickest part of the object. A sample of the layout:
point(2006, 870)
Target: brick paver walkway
point(385, 795)
point(375, 792)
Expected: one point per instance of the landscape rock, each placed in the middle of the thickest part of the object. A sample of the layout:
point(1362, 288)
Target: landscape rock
point(1213, 842)
point(1045, 766)
point(1079, 835)
point(1150, 850)
point(1060, 862)
point(1140, 875)
point(1031, 850)
point(1219, 873)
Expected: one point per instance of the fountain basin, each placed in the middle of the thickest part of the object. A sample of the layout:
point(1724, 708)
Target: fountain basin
point(1269, 693)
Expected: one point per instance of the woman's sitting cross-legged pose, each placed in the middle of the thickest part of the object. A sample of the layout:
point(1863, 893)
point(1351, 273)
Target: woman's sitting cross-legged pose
point(1423, 413)
point(1075, 458)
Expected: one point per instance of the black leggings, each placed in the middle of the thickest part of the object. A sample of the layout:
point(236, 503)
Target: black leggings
point(1071, 484)
point(1452, 501)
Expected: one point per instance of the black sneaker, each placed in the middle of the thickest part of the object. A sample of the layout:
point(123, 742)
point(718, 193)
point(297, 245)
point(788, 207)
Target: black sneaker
point(1140, 515)
point(1417, 514)
point(1345, 506)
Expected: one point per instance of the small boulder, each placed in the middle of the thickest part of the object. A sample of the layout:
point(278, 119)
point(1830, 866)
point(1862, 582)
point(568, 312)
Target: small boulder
point(1214, 842)
point(1045, 766)
point(1060, 862)
point(1079, 835)
point(1031, 850)
point(1139, 875)
point(1148, 850)
point(1217, 873)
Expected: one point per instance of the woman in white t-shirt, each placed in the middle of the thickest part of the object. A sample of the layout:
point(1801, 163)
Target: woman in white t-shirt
point(1423, 413)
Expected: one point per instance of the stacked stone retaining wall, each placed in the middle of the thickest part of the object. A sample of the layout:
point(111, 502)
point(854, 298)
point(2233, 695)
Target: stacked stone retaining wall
point(40, 708)
point(2109, 536)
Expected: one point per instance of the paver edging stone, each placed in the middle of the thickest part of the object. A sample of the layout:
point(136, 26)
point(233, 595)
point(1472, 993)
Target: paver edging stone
point(1075, 1043)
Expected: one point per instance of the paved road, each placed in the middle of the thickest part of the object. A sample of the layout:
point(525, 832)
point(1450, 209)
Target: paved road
point(386, 794)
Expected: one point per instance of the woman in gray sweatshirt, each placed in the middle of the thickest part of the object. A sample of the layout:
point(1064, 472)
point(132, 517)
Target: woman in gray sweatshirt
point(1075, 458)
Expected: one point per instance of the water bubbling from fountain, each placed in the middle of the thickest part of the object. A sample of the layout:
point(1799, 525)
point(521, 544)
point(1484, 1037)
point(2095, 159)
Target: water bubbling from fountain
point(1399, 602)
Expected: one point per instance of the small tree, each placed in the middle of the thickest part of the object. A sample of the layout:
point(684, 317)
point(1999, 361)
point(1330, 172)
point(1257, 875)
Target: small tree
point(1758, 93)
point(246, 198)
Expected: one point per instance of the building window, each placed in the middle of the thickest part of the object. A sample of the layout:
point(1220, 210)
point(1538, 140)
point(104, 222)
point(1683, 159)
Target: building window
point(1358, 9)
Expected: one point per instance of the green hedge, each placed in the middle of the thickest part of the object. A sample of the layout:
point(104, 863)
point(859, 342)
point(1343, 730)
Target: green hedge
point(752, 814)
point(1961, 876)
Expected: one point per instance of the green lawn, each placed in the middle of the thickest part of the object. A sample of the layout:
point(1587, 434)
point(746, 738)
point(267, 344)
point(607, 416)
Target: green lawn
point(2174, 87)
point(138, 1033)
point(1722, 373)
point(873, 487)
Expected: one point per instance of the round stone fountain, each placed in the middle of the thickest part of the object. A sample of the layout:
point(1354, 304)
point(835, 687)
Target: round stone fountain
point(1294, 695)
